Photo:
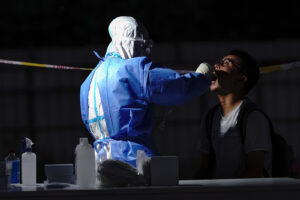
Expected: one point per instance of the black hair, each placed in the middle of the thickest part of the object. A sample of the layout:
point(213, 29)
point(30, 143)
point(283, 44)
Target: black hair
point(249, 67)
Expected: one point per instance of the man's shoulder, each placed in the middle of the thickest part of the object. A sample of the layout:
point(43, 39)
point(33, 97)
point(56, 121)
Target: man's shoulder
point(252, 114)
point(257, 117)
point(249, 107)
point(248, 102)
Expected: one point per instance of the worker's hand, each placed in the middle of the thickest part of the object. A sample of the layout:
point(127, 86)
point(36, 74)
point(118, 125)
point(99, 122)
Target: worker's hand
point(205, 69)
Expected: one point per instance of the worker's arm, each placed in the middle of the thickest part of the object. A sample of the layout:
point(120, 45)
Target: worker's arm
point(168, 87)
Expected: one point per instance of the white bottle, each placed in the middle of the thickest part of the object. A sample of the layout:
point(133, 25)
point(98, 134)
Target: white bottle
point(85, 164)
point(28, 164)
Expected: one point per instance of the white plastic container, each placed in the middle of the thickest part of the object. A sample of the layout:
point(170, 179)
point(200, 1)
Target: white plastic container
point(85, 167)
point(28, 165)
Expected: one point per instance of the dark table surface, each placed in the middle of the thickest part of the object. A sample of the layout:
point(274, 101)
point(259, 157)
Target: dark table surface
point(254, 189)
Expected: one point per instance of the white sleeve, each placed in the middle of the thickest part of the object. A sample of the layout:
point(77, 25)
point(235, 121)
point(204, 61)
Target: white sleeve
point(257, 137)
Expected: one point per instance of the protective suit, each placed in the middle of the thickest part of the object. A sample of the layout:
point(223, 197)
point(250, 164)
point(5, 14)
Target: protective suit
point(117, 97)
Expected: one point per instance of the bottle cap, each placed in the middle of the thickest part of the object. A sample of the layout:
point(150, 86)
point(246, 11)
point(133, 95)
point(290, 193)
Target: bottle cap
point(11, 151)
point(27, 144)
point(83, 140)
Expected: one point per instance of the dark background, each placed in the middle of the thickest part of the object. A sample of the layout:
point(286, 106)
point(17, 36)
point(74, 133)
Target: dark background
point(43, 104)
point(34, 23)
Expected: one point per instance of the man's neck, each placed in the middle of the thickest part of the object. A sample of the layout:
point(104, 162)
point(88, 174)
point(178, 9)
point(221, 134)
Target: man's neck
point(229, 102)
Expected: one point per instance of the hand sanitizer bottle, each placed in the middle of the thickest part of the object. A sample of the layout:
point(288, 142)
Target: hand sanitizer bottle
point(28, 164)
point(13, 164)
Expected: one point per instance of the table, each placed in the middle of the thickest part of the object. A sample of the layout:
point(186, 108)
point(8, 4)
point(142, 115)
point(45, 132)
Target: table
point(245, 189)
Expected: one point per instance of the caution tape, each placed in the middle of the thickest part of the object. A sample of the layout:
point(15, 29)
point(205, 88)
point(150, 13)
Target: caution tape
point(264, 69)
point(12, 62)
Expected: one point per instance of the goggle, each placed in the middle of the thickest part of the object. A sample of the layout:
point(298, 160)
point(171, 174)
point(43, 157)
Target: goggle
point(227, 61)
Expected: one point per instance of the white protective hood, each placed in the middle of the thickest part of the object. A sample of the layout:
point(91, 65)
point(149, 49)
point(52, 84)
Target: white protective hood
point(129, 38)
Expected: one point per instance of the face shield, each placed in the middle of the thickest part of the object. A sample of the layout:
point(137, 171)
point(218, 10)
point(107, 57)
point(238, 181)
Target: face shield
point(129, 38)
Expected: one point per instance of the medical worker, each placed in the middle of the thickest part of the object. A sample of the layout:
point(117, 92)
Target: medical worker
point(117, 97)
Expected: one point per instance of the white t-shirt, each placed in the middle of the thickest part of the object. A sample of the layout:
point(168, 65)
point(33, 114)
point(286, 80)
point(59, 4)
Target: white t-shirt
point(230, 152)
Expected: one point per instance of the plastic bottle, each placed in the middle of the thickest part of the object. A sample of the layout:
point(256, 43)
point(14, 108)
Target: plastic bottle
point(85, 164)
point(13, 164)
point(28, 164)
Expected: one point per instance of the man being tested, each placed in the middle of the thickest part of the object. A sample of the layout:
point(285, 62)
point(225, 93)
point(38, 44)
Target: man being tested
point(225, 148)
point(117, 97)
